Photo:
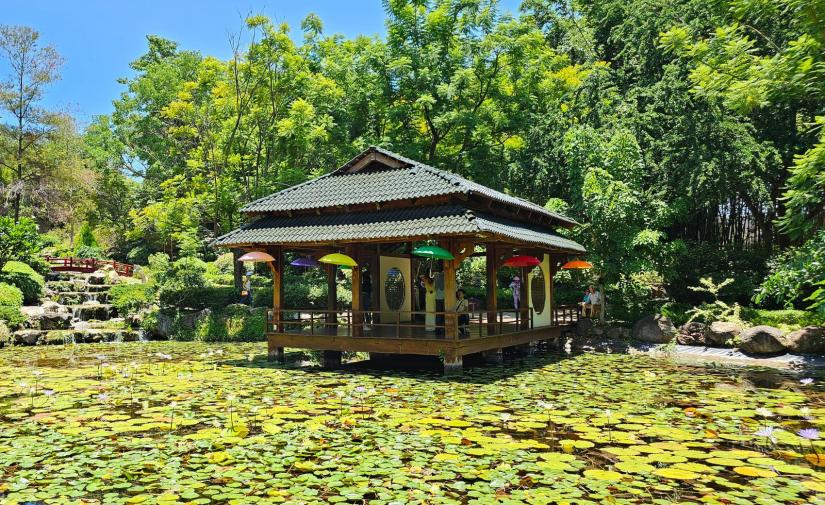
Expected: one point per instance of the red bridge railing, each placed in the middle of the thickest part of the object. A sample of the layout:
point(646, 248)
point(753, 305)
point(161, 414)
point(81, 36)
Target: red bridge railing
point(88, 265)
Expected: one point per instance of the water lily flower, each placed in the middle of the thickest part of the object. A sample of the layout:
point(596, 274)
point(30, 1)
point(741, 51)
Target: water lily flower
point(807, 381)
point(48, 392)
point(505, 417)
point(250, 358)
point(608, 412)
point(767, 432)
point(360, 389)
point(102, 397)
point(805, 412)
point(100, 357)
point(37, 373)
point(809, 433)
point(546, 405)
point(762, 411)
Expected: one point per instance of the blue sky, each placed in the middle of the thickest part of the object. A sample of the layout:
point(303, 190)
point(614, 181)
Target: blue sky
point(98, 38)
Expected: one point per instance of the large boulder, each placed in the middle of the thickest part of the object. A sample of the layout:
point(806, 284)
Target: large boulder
point(656, 329)
point(808, 340)
point(583, 327)
point(692, 334)
point(761, 340)
point(723, 333)
point(27, 337)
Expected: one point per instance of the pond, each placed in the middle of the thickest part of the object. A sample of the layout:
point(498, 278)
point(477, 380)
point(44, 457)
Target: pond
point(190, 423)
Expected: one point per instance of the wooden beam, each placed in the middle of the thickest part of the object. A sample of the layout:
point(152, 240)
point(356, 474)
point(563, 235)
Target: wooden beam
point(332, 298)
point(450, 319)
point(277, 270)
point(492, 293)
point(354, 251)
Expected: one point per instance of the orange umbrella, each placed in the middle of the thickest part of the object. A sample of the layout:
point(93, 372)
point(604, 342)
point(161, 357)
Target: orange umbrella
point(577, 265)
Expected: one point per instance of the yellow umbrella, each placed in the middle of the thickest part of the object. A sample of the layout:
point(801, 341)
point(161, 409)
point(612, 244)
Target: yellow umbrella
point(338, 259)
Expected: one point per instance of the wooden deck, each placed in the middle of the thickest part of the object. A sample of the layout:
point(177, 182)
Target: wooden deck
point(326, 331)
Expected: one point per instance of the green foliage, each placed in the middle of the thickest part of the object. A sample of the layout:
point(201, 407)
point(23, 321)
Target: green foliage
point(18, 241)
point(716, 309)
point(787, 319)
point(86, 237)
point(793, 274)
point(24, 278)
point(88, 252)
point(11, 315)
point(10, 296)
point(181, 283)
point(234, 323)
point(129, 298)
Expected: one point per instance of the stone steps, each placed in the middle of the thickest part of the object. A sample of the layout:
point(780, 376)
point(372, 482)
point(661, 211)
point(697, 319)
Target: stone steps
point(89, 335)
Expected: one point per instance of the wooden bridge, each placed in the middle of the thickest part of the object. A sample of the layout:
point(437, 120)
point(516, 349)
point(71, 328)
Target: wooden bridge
point(87, 265)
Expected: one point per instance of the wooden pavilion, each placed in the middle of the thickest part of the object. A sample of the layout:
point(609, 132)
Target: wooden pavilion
point(377, 208)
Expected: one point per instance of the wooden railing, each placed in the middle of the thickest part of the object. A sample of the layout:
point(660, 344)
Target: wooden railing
point(566, 314)
point(399, 324)
point(70, 264)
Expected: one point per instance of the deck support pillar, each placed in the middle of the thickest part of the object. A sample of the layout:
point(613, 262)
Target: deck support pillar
point(331, 359)
point(453, 365)
point(494, 356)
point(276, 354)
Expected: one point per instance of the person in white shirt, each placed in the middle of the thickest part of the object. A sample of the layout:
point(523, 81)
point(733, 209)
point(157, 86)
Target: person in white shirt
point(594, 301)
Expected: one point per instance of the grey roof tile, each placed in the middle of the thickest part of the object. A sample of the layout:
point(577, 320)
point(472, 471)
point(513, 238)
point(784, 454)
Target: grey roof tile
point(417, 180)
point(445, 220)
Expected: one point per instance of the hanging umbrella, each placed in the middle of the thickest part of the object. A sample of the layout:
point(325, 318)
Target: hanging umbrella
point(522, 261)
point(338, 259)
point(305, 262)
point(433, 252)
point(577, 265)
point(257, 257)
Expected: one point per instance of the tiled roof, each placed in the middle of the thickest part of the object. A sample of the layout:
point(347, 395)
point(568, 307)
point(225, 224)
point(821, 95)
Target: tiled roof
point(415, 180)
point(445, 220)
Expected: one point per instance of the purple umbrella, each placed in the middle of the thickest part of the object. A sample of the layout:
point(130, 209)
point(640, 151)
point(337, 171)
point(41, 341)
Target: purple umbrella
point(305, 262)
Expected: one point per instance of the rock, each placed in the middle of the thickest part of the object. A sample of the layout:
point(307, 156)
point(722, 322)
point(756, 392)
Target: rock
point(656, 329)
point(583, 327)
point(761, 340)
point(56, 320)
point(96, 278)
point(165, 322)
point(27, 337)
point(110, 275)
point(810, 339)
point(692, 334)
point(203, 316)
point(723, 333)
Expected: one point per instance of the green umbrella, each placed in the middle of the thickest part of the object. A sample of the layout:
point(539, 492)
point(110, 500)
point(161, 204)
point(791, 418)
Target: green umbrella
point(433, 252)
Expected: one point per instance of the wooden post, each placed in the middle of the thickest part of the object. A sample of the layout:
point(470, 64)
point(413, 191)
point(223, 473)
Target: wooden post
point(551, 295)
point(492, 285)
point(524, 304)
point(277, 268)
point(357, 317)
point(453, 363)
point(450, 318)
point(332, 301)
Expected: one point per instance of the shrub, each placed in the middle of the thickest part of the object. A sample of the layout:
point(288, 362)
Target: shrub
point(197, 298)
point(25, 278)
point(793, 274)
point(716, 310)
point(87, 251)
point(86, 237)
point(786, 319)
point(235, 323)
point(18, 241)
point(129, 298)
point(10, 296)
point(11, 315)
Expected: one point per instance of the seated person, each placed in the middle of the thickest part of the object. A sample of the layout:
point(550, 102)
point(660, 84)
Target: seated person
point(595, 302)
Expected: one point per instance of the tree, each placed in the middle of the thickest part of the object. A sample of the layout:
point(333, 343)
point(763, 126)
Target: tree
point(19, 241)
point(32, 68)
point(768, 58)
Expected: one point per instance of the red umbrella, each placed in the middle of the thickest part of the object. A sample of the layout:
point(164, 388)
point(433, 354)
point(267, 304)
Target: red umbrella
point(522, 261)
point(577, 265)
